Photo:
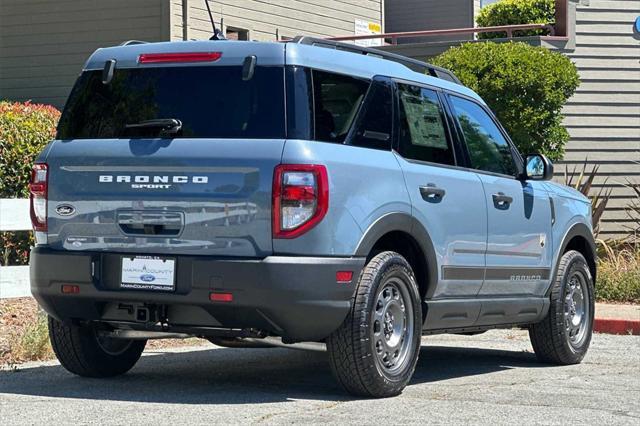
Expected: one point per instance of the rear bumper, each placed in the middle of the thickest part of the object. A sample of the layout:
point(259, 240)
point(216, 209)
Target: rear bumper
point(297, 298)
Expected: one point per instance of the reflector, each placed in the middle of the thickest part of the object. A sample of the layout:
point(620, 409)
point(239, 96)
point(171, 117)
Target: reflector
point(221, 297)
point(344, 276)
point(70, 289)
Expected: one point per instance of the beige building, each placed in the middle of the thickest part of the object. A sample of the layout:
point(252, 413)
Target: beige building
point(603, 117)
point(43, 43)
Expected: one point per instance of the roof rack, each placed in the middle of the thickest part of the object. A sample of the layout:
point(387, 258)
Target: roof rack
point(412, 64)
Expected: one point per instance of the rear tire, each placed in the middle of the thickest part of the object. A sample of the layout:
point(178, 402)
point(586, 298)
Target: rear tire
point(81, 351)
point(375, 350)
point(563, 337)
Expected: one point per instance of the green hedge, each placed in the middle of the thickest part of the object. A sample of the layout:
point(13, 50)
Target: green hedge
point(25, 129)
point(525, 86)
point(514, 12)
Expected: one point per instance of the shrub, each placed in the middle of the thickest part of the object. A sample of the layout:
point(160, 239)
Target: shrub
point(25, 129)
point(525, 86)
point(618, 274)
point(34, 343)
point(514, 12)
point(633, 211)
point(583, 181)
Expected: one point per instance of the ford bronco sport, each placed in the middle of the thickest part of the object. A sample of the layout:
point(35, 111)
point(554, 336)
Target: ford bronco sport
point(307, 191)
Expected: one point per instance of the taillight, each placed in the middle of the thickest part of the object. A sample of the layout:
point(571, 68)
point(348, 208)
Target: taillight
point(38, 187)
point(164, 58)
point(300, 198)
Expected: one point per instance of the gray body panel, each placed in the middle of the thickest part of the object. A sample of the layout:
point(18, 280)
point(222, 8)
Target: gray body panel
point(518, 241)
point(228, 215)
point(459, 236)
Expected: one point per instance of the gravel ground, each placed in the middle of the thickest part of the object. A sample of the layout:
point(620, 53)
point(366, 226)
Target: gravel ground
point(489, 378)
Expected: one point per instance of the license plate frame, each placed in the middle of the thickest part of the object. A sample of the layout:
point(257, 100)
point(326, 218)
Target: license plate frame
point(149, 273)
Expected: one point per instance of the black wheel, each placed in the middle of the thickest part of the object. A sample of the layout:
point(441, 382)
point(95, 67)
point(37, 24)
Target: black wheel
point(82, 351)
point(563, 337)
point(375, 350)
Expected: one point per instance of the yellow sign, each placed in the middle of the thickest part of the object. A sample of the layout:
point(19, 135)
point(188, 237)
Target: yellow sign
point(362, 27)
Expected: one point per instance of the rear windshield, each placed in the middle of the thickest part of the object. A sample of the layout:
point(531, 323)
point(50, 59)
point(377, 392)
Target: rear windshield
point(209, 101)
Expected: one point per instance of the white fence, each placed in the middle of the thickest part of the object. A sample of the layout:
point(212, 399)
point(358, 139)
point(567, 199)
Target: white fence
point(14, 216)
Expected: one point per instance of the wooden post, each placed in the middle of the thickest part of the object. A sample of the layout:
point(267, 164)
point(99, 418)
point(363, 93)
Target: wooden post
point(562, 18)
point(185, 20)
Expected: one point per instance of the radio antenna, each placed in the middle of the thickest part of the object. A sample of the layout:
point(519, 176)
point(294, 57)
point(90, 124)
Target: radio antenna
point(217, 35)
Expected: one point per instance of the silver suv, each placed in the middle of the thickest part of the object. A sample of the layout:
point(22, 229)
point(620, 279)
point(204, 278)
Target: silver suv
point(306, 192)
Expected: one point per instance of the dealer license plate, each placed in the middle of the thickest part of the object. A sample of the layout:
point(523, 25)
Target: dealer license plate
point(148, 273)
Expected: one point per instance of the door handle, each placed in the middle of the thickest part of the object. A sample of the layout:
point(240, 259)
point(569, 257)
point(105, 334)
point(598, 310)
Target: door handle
point(432, 193)
point(502, 201)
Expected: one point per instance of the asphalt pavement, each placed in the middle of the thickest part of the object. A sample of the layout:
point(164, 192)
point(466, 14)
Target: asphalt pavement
point(489, 378)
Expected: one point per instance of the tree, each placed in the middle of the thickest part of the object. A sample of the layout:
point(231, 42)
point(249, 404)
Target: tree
point(525, 86)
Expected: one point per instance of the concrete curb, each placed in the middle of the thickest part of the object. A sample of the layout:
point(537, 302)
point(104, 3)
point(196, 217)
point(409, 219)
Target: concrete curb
point(616, 326)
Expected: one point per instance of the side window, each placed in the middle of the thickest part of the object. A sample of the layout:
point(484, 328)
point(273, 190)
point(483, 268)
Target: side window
point(337, 99)
point(373, 127)
point(422, 130)
point(488, 149)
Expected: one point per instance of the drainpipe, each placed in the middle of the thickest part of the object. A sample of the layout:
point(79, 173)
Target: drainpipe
point(185, 20)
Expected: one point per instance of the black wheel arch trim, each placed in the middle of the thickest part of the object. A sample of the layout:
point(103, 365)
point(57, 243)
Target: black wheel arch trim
point(402, 222)
point(576, 230)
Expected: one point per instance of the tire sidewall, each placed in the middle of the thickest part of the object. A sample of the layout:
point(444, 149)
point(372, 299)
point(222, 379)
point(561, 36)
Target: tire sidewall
point(577, 263)
point(78, 350)
point(395, 266)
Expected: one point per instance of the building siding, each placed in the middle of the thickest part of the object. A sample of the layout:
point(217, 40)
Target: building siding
point(603, 117)
point(286, 18)
point(418, 15)
point(43, 44)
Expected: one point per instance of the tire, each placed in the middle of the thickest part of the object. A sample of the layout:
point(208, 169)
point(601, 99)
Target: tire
point(81, 352)
point(357, 349)
point(557, 339)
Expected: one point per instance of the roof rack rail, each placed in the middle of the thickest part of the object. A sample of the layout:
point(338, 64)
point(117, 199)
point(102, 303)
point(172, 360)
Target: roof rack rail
point(412, 64)
point(130, 42)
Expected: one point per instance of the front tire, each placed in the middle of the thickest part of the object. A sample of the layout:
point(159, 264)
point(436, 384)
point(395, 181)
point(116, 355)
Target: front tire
point(82, 351)
point(563, 337)
point(375, 350)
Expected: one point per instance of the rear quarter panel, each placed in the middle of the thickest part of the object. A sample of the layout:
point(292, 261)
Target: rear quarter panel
point(364, 184)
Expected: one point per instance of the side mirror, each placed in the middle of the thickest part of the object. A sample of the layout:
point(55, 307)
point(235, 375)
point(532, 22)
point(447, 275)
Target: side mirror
point(538, 167)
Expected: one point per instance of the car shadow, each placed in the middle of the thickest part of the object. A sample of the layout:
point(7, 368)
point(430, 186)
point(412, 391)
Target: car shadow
point(241, 376)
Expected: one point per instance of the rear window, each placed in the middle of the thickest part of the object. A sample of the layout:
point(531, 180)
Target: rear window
point(337, 100)
point(209, 101)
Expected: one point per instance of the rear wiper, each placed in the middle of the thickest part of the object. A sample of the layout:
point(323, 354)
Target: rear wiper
point(167, 125)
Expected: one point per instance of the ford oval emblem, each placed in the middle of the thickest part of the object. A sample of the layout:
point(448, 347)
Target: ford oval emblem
point(65, 209)
point(147, 278)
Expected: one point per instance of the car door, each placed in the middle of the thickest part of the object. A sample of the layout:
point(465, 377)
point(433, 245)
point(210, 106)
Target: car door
point(519, 244)
point(448, 201)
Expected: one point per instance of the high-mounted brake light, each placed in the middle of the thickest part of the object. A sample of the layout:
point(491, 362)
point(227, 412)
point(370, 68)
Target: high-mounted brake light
point(163, 58)
point(300, 198)
point(38, 188)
